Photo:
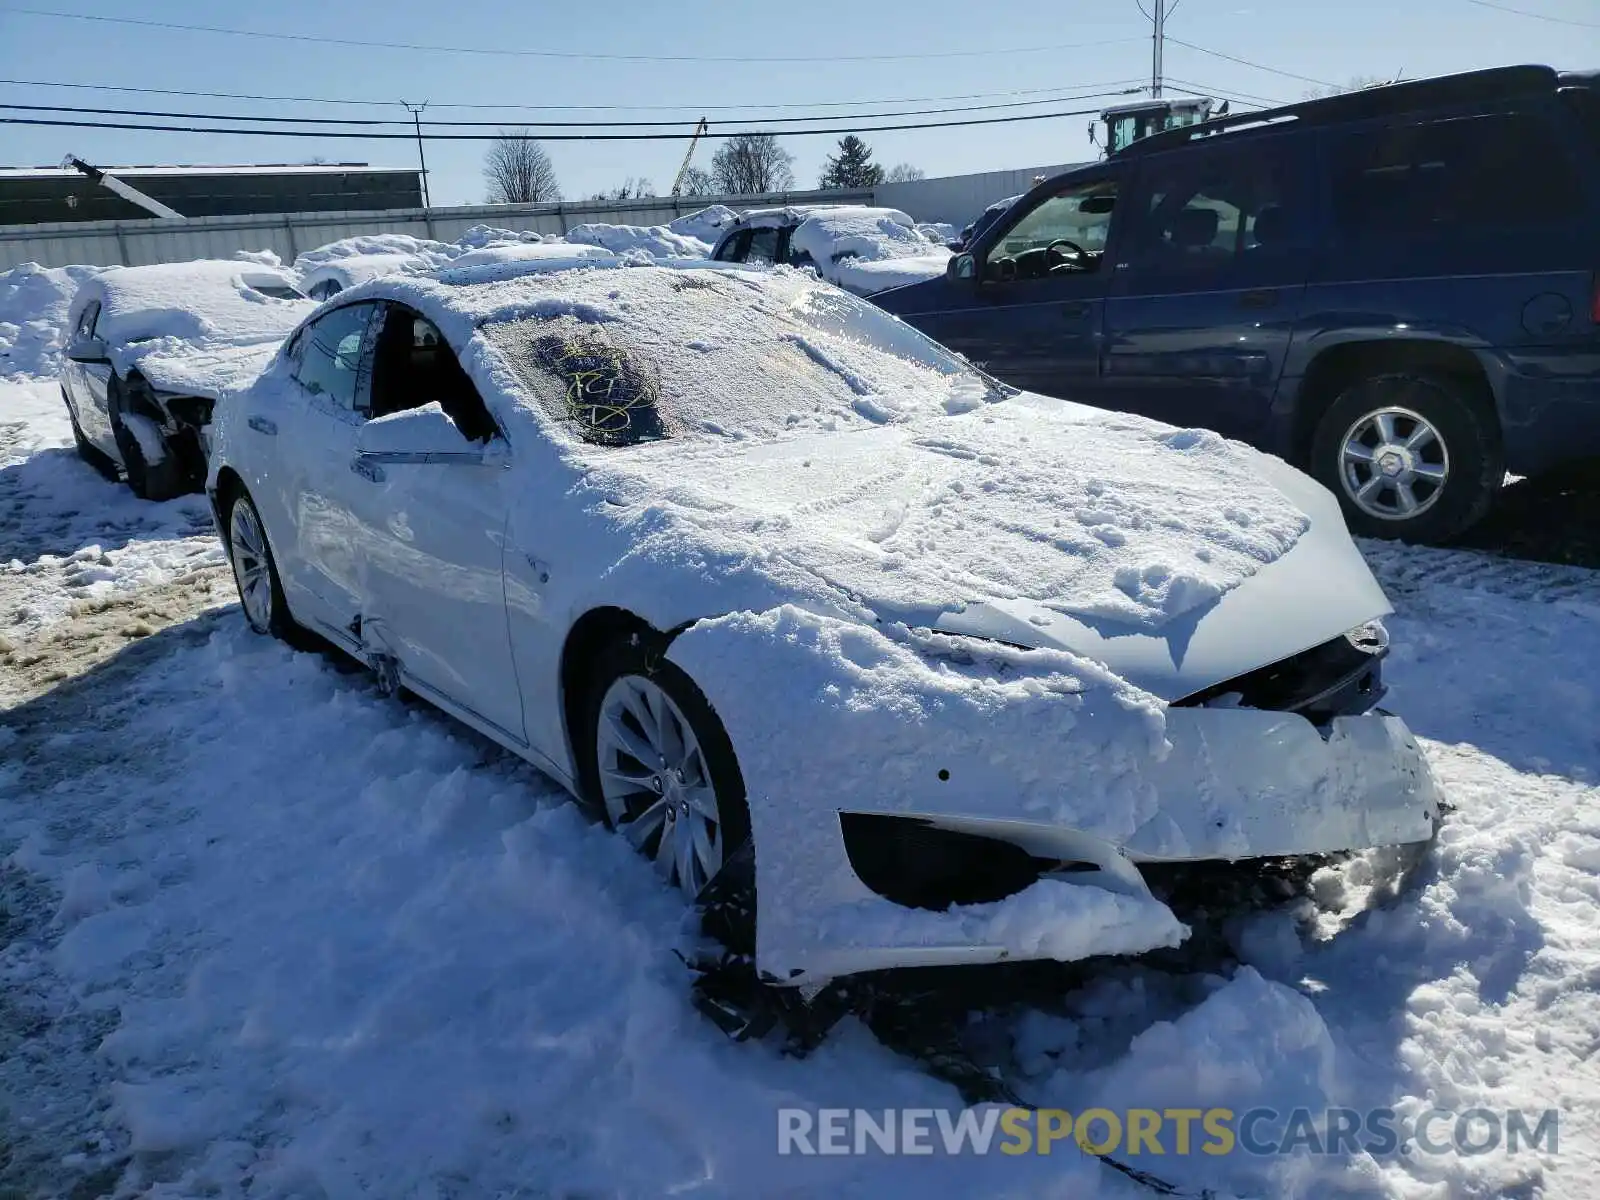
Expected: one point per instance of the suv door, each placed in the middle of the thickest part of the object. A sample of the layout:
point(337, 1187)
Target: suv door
point(1209, 282)
point(1030, 310)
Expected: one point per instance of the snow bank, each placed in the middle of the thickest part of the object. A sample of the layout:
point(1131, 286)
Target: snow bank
point(706, 225)
point(33, 316)
point(656, 241)
point(550, 252)
point(380, 244)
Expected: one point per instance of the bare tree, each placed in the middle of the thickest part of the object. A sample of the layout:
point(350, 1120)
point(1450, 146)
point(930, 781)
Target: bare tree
point(751, 163)
point(904, 173)
point(697, 181)
point(631, 189)
point(519, 171)
point(1359, 84)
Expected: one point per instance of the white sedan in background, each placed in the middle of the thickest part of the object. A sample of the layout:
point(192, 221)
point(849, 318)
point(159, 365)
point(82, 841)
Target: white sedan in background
point(744, 562)
point(149, 350)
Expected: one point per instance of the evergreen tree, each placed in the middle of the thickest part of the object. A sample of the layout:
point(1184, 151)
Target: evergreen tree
point(852, 167)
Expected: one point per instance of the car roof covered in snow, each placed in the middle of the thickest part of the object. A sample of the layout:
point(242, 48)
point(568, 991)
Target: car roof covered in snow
point(210, 302)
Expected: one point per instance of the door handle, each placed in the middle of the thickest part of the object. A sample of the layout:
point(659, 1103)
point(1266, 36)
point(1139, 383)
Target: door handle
point(1264, 298)
point(367, 469)
point(262, 425)
point(1075, 311)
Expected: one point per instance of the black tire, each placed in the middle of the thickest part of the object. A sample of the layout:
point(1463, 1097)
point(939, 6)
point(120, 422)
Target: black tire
point(164, 480)
point(1467, 441)
point(643, 655)
point(102, 462)
point(277, 621)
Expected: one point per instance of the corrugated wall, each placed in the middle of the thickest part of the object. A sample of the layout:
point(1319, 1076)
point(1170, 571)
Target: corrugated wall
point(955, 199)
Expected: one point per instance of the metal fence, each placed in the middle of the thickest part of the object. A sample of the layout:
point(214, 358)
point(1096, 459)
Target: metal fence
point(954, 199)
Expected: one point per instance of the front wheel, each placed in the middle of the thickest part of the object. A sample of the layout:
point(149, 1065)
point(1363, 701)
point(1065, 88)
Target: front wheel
point(1413, 456)
point(657, 763)
point(154, 471)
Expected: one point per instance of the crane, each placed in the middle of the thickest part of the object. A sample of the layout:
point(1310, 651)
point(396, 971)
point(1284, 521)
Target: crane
point(700, 130)
point(126, 190)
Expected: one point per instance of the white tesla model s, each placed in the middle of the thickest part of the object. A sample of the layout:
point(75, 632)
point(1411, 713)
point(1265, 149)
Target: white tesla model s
point(744, 562)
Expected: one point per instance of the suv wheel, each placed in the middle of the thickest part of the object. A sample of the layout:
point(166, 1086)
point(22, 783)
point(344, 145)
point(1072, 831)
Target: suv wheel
point(1410, 455)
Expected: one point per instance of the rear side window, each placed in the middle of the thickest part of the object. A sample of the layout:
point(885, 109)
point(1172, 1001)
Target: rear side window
point(86, 319)
point(1586, 103)
point(763, 246)
point(329, 354)
point(1497, 171)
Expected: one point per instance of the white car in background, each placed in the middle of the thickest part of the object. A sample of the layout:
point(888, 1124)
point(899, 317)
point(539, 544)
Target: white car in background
point(861, 249)
point(149, 351)
point(746, 563)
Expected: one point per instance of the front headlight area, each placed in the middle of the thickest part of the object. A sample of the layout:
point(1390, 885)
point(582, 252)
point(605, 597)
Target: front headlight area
point(1343, 677)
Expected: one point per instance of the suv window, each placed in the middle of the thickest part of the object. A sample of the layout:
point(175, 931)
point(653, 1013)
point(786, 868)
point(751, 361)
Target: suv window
point(1502, 169)
point(1205, 209)
point(1079, 214)
point(732, 250)
point(328, 354)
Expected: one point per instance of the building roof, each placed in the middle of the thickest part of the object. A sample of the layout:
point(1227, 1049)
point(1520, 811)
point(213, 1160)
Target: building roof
point(60, 172)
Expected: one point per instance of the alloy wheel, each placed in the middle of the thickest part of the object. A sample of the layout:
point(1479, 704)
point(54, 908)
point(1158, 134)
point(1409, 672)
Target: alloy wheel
point(251, 566)
point(1393, 464)
point(656, 784)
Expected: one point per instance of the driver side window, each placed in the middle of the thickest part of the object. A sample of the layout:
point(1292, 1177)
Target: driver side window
point(87, 319)
point(413, 365)
point(1076, 220)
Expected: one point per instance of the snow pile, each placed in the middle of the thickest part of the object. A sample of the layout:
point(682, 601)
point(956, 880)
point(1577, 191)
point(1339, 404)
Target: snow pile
point(33, 317)
point(706, 225)
point(553, 252)
point(940, 233)
point(480, 236)
point(356, 269)
point(655, 241)
point(367, 244)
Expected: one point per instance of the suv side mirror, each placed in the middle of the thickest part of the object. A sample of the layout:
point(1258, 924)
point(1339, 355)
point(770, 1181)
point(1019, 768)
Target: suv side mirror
point(87, 350)
point(961, 266)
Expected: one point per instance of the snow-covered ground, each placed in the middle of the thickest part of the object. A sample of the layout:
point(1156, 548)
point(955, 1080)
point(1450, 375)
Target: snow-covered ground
point(265, 933)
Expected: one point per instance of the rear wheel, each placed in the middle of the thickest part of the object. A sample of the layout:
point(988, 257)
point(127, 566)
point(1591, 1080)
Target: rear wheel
point(154, 470)
point(1410, 455)
point(256, 572)
point(657, 764)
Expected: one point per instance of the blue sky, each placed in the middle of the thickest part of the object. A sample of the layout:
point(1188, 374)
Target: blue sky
point(1316, 41)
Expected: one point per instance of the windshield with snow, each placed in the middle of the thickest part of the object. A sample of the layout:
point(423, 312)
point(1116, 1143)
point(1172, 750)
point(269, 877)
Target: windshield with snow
point(705, 354)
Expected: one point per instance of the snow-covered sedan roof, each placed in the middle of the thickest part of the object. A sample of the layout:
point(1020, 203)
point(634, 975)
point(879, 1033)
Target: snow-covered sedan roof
point(212, 302)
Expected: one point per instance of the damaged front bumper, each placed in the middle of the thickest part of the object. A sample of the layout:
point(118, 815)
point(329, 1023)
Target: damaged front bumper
point(936, 815)
point(1237, 784)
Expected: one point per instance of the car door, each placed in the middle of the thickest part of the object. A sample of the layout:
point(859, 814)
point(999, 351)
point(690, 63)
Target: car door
point(431, 532)
point(1026, 305)
point(315, 428)
point(88, 383)
point(1209, 282)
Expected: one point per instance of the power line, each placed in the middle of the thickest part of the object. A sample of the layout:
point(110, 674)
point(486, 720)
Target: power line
point(1227, 93)
point(375, 122)
point(1523, 12)
point(697, 108)
point(551, 137)
point(1245, 62)
point(590, 56)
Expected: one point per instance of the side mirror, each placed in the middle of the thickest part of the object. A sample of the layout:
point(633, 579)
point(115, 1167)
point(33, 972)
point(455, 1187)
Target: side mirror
point(962, 266)
point(87, 350)
point(417, 435)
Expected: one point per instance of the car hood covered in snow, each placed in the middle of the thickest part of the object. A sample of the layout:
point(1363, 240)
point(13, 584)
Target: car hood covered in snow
point(1175, 557)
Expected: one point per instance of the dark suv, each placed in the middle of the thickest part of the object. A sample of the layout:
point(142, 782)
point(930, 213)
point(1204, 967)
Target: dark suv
point(1398, 289)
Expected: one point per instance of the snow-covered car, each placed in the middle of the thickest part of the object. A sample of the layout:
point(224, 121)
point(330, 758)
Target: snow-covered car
point(149, 351)
point(349, 262)
point(984, 219)
point(863, 250)
point(745, 562)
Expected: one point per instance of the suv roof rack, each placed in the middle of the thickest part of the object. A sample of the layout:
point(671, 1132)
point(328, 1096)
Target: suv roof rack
point(1496, 83)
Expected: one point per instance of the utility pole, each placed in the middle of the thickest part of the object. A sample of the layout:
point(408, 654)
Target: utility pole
point(1160, 36)
point(416, 119)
